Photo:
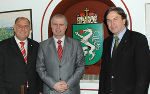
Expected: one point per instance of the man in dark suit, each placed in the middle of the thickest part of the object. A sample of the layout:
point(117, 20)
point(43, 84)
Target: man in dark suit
point(18, 62)
point(60, 60)
point(125, 59)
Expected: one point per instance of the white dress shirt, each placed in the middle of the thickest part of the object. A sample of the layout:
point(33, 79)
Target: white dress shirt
point(62, 43)
point(25, 43)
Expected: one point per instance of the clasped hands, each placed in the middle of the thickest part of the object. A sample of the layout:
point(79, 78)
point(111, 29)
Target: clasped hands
point(60, 86)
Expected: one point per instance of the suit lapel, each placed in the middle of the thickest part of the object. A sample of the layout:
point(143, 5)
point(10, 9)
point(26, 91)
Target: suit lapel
point(66, 48)
point(15, 48)
point(29, 53)
point(123, 43)
point(53, 47)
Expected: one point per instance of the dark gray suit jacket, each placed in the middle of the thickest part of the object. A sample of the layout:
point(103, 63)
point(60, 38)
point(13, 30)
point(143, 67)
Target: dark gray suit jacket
point(127, 71)
point(70, 69)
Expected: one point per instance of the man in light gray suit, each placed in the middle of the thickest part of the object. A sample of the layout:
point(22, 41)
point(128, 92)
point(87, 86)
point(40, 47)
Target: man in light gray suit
point(60, 69)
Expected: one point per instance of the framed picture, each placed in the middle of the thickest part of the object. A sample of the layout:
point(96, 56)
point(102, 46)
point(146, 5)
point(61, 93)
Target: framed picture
point(7, 21)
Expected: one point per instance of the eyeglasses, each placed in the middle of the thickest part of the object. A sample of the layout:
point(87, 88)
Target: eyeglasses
point(23, 26)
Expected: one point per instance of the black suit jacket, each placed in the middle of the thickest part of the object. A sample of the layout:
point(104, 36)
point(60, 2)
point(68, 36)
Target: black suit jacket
point(127, 71)
point(13, 70)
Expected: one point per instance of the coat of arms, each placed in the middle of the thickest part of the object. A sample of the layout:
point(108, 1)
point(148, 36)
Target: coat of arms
point(90, 33)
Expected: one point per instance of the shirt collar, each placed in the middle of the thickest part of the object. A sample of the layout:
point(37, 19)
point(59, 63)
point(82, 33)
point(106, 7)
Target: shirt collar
point(62, 39)
point(120, 35)
point(18, 41)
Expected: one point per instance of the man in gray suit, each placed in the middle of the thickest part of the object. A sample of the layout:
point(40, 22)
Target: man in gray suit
point(60, 65)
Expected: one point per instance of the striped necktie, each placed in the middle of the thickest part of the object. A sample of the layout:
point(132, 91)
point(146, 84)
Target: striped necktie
point(23, 51)
point(59, 49)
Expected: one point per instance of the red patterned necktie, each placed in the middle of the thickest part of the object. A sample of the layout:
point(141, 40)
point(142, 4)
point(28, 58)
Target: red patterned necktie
point(59, 49)
point(23, 51)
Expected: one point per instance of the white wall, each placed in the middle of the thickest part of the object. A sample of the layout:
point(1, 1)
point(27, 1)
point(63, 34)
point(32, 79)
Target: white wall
point(136, 8)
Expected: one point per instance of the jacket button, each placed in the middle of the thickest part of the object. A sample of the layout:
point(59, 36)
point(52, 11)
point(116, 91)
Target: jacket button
point(112, 77)
point(110, 91)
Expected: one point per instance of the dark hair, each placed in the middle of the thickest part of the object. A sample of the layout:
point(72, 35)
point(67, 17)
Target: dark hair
point(22, 18)
point(119, 10)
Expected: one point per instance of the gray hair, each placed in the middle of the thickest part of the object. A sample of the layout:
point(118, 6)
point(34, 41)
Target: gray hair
point(59, 16)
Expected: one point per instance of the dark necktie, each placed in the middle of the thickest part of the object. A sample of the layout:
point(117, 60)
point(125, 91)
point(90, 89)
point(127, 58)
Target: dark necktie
point(23, 51)
point(59, 49)
point(115, 45)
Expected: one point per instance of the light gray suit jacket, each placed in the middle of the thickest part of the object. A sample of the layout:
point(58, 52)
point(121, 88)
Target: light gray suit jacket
point(70, 69)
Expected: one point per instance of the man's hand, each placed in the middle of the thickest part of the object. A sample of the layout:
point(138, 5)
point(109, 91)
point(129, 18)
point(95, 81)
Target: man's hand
point(60, 86)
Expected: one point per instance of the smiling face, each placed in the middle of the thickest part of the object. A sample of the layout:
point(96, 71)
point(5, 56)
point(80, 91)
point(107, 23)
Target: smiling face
point(115, 22)
point(58, 27)
point(22, 29)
